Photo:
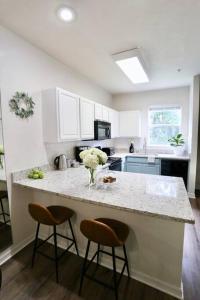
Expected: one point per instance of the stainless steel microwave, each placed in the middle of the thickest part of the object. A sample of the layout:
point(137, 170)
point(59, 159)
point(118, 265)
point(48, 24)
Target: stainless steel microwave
point(102, 130)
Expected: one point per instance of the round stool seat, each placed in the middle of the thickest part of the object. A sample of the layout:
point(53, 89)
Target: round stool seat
point(104, 231)
point(51, 215)
point(60, 213)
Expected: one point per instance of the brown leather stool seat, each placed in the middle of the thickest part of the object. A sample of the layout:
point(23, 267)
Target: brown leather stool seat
point(52, 215)
point(105, 232)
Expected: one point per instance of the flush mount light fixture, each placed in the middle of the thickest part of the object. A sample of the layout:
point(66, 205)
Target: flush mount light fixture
point(66, 14)
point(132, 64)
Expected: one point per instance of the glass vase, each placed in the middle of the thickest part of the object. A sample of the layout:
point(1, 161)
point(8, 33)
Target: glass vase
point(92, 177)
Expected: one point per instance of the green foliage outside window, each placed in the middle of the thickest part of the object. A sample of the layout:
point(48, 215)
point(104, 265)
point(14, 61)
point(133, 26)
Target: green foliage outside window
point(164, 123)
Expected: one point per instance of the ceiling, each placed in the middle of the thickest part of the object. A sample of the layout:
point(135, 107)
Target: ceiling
point(167, 31)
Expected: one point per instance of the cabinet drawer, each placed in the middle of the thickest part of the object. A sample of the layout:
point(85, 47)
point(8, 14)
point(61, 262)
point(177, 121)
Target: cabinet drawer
point(143, 168)
point(141, 160)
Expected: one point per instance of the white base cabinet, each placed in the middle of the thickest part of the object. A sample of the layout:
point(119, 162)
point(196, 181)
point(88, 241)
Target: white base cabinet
point(60, 116)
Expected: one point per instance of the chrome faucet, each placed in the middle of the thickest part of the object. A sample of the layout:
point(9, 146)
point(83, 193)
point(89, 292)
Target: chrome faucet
point(145, 146)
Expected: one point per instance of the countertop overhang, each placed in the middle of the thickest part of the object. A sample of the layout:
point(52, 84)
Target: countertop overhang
point(157, 196)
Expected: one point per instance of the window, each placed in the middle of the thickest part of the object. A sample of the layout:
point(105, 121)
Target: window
point(164, 122)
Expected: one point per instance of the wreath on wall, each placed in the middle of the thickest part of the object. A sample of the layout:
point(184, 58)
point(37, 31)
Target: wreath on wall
point(22, 105)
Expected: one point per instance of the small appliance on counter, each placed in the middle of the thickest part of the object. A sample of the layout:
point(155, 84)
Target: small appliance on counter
point(78, 150)
point(61, 162)
point(115, 162)
point(109, 150)
point(102, 130)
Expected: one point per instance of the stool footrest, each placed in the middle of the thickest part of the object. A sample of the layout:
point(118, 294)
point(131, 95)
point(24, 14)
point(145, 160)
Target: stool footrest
point(99, 281)
point(44, 241)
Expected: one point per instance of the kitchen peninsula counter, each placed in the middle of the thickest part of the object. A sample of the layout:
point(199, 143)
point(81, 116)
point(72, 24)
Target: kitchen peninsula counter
point(158, 196)
point(155, 208)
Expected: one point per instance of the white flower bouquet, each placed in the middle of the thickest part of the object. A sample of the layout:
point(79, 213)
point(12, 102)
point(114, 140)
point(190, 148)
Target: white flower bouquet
point(92, 158)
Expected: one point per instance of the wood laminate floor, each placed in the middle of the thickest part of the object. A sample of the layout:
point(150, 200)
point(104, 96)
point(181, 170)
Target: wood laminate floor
point(20, 282)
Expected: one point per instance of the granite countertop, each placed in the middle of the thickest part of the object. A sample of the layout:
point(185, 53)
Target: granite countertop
point(157, 196)
point(161, 156)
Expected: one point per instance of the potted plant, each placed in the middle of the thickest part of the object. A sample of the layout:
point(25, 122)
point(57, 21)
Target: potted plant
point(177, 142)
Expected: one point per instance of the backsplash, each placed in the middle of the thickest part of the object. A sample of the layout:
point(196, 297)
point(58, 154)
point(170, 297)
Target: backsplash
point(123, 144)
point(55, 149)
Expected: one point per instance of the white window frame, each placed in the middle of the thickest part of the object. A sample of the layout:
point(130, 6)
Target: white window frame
point(173, 106)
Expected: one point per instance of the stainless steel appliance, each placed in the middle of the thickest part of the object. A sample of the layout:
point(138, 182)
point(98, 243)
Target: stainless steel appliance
point(109, 150)
point(115, 163)
point(102, 130)
point(78, 150)
point(60, 162)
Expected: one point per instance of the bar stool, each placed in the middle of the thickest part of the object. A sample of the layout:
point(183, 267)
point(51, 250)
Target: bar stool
point(105, 232)
point(4, 195)
point(52, 216)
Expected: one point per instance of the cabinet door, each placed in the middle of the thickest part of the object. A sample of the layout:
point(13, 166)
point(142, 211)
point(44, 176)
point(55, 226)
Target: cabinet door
point(98, 111)
point(129, 124)
point(114, 120)
point(68, 116)
point(176, 168)
point(87, 119)
point(105, 115)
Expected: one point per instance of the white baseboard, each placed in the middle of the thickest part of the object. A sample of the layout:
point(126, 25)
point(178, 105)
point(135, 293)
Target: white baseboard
point(12, 250)
point(191, 195)
point(141, 277)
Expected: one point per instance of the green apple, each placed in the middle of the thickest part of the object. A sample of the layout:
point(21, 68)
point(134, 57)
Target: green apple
point(41, 175)
point(35, 176)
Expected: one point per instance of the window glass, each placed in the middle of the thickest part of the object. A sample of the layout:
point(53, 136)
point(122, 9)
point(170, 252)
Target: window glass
point(164, 122)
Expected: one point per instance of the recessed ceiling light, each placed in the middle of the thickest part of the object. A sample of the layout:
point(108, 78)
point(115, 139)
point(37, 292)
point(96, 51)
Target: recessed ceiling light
point(131, 63)
point(66, 14)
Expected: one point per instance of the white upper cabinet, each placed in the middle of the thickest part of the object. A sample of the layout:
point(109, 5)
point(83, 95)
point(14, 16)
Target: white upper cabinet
point(130, 123)
point(87, 114)
point(105, 114)
point(98, 111)
point(114, 120)
point(60, 116)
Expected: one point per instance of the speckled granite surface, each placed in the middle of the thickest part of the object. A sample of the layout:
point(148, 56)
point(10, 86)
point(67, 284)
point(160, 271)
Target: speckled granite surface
point(158, 196)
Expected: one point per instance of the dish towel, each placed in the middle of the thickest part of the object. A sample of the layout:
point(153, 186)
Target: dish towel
point(151, 159)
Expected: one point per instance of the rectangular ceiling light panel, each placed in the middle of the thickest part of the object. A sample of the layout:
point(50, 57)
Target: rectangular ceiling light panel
point(132, 65)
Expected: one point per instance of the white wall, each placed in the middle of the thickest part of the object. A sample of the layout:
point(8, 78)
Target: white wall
point(26, 68)
point(193, 134)
point(143, 100)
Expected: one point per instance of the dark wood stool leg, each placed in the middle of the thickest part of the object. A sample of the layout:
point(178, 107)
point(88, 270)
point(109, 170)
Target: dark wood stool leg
point(126, 259)
point(35, 245)
point(0, 277)
point(70, 225)
point(3, 213)
point(98, 249)
point(114, 273)
point(84, 266)
point(56, 251)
